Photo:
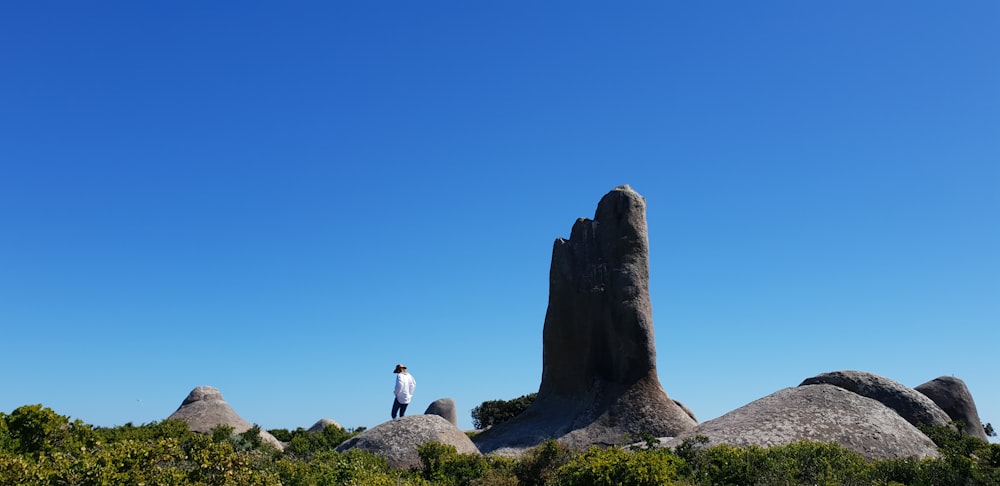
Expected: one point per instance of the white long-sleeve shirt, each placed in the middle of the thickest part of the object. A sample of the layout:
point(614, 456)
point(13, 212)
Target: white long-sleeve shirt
point(405, 384)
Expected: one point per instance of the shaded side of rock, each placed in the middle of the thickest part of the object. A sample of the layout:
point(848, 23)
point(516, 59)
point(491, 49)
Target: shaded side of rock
point(204, 409)
point(910, 404)
point(818, 413)
point(444, 408)
point(599, 381)
point(322, 424)
point(397, 440)
point(953, 396)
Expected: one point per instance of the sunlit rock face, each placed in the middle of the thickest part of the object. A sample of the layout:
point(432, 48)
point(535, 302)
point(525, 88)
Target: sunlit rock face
point(599, 381)
point(910, 404)
point(204, 409)
point(817, 413)
point(397, 440)
point(954, 398)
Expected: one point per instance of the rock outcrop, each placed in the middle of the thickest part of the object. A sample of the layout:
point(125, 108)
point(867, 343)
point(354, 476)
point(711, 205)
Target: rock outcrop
point(599, 382)
point(397, 440)
point(953, 397)
point(445, 408)
point(686, 410)
point(204, 409)
point(910, 404)
point(818, 413)
point(322, 424)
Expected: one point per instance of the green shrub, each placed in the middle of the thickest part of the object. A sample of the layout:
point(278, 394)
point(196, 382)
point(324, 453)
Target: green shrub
point(34, 429)
point(539, 465)
point(964, 459)
point(41, 447)
point(493, 412)
point(443, 465)
point(303, 443)
point(16, 470)
point(354, 467)
point(171, 428)
point(615, 466)
point(798, 463)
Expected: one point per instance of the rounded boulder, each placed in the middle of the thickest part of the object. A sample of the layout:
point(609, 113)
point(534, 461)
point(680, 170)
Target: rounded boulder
point(397, 440)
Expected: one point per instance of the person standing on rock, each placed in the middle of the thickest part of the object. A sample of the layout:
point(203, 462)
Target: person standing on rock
point(405, 384)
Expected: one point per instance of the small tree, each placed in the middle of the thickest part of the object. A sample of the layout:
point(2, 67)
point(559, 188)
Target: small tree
point(493, 412)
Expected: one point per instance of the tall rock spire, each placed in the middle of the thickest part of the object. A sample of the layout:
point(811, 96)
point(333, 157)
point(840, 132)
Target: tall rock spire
point(599, 381)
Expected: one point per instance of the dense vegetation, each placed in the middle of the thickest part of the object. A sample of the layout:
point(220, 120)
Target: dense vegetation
point(492, 412)
point(41, 447)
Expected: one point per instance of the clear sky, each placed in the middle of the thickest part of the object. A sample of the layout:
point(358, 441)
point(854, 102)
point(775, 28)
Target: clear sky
point(283, 200)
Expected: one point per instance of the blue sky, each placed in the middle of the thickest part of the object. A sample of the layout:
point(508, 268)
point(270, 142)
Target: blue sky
point(284, 201)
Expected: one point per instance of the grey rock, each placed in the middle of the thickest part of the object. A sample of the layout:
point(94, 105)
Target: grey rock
point(397, 440)
point(687, 411)
point(322, 424)
point(910, 404)
point(954, 398)
point(818, 413)
point(443, 407)
point(599, 381)
point(204, 409)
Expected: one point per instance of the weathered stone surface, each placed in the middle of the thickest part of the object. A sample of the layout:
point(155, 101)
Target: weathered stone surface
point(910, 404)
point(397, 440)
point(818, 413)
point(322, 424)
point(204, 409)
point(445, 408)
point(954, 398)
point(686, 410)
point(599, 381)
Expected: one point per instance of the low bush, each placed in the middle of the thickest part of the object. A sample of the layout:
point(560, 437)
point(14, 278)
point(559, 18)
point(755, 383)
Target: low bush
point(493, 412)
point(615, 466)
point(41, 447)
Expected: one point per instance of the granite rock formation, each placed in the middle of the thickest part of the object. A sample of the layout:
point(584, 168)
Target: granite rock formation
point(686, 410)
point(204, 409)
point(953, 397)
point(910, 404)
point(445, 408)
point(397, 440)
point(818, 413)
point(322, 424)
point(599, 381)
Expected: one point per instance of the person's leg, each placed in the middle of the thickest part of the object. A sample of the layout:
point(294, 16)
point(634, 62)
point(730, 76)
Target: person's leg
point(402, 408)
point(395, 408)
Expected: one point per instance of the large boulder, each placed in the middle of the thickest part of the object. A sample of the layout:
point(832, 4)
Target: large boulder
point(953, 397)
point(204, 409)
point(397, 440)
point(599, 381)
point(445, 408)
point(910, 404)
point(817, 413)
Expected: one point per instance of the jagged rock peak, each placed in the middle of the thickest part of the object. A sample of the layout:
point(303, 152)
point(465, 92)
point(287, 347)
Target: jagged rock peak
point(599, 381)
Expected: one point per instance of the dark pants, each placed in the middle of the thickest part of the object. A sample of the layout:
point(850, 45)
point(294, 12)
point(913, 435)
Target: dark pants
point(398, 407)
